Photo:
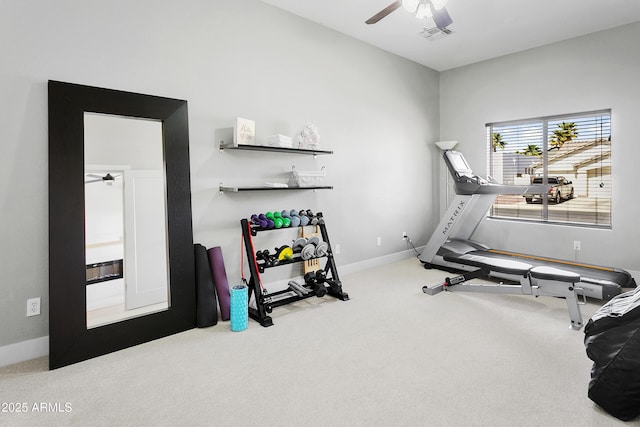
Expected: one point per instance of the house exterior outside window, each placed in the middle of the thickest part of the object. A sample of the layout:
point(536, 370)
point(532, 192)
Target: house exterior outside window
point(569, 153)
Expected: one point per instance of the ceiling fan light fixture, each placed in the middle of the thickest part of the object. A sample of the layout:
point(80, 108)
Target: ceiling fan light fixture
point(424, 11)
point(421, 9)
point(410, 5)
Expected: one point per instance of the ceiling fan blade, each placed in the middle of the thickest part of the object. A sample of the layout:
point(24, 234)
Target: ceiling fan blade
point(441, 18)
point(93, 175)
point(93, 180)
point(384, 12)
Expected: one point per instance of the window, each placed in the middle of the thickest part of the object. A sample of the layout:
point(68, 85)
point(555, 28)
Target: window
point(571, 154)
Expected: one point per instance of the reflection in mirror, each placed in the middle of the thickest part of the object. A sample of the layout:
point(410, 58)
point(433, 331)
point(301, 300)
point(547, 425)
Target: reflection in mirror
point(125, 218)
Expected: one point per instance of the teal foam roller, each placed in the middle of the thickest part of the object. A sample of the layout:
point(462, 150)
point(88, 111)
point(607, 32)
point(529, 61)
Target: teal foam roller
point(239, 308)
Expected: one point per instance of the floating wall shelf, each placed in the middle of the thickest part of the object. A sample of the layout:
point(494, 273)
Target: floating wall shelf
point(231, 146)
point(240, 189)
point(228, 146)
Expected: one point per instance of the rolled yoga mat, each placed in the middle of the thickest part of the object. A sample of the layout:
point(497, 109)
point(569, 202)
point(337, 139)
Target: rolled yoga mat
point(206, 301)
point(220, 280)
point(239, 308)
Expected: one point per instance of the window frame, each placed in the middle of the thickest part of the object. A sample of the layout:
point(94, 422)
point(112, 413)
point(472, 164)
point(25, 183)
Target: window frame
point(543, 122)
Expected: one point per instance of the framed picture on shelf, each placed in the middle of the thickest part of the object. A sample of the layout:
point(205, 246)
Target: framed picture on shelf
point(244, 132)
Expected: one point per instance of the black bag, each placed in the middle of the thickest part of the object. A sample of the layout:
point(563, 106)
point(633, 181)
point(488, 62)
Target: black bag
point(612, 341)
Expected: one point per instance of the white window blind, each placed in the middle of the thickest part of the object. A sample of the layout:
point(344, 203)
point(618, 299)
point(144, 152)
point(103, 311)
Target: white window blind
point(569, 153)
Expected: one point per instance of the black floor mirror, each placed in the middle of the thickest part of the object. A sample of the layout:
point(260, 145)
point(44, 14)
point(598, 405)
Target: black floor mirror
point(121, 267)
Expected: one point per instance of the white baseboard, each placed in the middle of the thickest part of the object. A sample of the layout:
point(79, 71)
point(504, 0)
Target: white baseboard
point(39, 347)
point(376, 262)
point(25, 350)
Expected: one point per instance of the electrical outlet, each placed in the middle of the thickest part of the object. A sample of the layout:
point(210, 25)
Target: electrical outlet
point(33, 307)
point(336, 248)
point(576, 245)
point(404, 235)
point(379, 241)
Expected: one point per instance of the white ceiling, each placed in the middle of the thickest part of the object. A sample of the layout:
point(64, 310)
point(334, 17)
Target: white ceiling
point(482, 29)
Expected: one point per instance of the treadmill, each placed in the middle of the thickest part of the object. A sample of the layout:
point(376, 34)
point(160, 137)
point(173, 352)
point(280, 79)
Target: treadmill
point(450, 245)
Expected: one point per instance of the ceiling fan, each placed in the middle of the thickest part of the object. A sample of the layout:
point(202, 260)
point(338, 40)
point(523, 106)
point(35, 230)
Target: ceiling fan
point(108, 178)
point(421, 9)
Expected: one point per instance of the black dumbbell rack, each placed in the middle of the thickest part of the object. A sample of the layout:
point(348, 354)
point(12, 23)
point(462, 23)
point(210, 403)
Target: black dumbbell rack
point(266, 302)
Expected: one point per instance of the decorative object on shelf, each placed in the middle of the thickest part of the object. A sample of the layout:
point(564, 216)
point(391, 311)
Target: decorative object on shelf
point(244, 132)
point(281, 141)
point(309, 138)
point(275, 185)
point(306, 178)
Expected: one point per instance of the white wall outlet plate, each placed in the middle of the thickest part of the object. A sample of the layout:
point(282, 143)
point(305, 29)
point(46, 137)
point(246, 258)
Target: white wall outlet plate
point(33, 307)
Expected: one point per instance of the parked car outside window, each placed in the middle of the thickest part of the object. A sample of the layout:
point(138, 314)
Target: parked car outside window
point(561, 189)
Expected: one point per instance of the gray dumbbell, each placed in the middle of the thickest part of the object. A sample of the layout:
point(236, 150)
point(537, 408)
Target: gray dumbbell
point(298, 244)
point(314, 248)
point(298, 289)
point(322, 249)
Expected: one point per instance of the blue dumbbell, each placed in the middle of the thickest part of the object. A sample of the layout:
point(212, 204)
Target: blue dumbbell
point(304, 219)
point(295, 218)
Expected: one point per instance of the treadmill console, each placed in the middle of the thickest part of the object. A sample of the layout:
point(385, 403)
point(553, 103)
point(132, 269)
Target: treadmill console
point(466, 180)
point(456, 163)
point(469, 183)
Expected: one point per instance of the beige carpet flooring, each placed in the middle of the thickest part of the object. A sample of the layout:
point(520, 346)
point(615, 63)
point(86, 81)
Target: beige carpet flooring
point(391, 356)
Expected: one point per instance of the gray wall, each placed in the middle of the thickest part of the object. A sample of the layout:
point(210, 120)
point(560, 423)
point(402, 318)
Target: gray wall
point(588, 73)
point(227, 58)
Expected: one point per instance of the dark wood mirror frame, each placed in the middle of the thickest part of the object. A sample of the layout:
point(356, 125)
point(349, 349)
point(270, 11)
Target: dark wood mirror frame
point(69, 339)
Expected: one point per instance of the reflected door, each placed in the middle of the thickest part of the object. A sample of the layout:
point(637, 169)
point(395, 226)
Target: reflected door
point(145, 242)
